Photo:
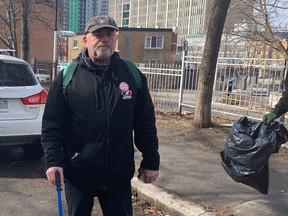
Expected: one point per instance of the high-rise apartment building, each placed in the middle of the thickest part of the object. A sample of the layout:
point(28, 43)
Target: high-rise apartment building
point(73, 14)
point(188, 17)
point(63, 14)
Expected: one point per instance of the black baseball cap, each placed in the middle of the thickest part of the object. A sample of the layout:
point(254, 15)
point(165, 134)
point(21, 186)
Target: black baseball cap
point(97, 22)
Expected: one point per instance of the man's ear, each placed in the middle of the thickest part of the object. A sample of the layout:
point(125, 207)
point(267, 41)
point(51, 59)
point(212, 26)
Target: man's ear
point(84, 40)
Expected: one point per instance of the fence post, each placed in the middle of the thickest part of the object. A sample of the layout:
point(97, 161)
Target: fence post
point(35, 66)
point(216, 75)
point(181, 83)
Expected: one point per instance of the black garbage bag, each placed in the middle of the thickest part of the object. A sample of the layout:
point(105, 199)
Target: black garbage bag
point(247, 150)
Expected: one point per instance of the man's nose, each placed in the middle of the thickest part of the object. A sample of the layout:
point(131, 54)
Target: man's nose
point(104, 37)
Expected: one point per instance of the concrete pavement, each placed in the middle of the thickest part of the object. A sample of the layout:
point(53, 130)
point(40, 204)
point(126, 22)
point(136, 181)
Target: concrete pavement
point(192, 182)
point(170, 204)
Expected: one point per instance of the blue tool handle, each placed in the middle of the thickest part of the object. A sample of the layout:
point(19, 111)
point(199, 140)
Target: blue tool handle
point(60, 210)
point(58, 180)
point(58, 185)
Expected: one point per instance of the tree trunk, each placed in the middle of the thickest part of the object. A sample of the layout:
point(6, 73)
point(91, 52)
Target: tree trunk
point(25, 29)
point(202, 118)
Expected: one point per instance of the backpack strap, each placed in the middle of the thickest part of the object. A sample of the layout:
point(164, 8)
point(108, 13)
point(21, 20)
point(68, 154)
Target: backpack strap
point(68, 74)
point(135, 73)
point(70, 69)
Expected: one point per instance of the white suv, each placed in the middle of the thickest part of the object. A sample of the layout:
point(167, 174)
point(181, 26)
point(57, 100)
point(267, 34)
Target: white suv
point(22, 101)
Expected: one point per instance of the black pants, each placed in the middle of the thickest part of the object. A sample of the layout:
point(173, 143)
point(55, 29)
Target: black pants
point(115, 201)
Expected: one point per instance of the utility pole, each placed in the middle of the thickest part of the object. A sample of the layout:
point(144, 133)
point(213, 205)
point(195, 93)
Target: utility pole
point(25, 29)
point(54, 71)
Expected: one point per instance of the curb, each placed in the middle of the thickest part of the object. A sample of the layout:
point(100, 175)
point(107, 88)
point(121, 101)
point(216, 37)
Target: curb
point(170, 204)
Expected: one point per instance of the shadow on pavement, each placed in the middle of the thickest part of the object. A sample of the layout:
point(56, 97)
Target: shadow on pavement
point(14, 165)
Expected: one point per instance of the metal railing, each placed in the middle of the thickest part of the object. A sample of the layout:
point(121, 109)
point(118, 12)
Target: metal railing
point(164, 84)
point(249, 87)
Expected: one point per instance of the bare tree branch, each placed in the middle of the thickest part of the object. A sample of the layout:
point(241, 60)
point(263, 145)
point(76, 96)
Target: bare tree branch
point(17, 14)
point(265, 24)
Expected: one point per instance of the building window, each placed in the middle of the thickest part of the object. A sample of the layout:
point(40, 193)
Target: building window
point(126, 15)
point(154, 42)
point(75, 44)
point(125, 23)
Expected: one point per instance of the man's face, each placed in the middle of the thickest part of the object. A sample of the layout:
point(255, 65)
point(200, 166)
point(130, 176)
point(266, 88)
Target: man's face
point(101, 45)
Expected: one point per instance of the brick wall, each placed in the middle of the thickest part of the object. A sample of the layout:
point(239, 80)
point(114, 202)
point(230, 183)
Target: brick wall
point(41, 27)
point(41, 35)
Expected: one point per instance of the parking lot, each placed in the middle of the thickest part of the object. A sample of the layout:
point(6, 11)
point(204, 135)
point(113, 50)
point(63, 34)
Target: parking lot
point(24, 188)
point(25, 191)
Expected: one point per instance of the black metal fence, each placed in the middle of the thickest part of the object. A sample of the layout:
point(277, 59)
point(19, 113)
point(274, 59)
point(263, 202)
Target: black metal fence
point(43, 70)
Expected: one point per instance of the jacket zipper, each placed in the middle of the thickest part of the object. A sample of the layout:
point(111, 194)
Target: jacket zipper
point(105, 90)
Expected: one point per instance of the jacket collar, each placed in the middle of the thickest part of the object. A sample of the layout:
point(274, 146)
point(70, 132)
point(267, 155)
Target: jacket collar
point(86, 60)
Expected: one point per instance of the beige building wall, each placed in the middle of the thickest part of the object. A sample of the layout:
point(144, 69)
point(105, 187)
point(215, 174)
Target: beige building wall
point(75, 45)
point(132, 45)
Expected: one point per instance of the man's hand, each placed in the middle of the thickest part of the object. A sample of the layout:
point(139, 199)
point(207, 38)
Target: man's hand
point(269, 117)
point(147, 176)
point(50, 173)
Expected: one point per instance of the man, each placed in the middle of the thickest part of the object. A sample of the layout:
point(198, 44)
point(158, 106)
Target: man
point(87, 134)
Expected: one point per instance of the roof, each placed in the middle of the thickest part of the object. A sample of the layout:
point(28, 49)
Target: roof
point(7, 58)
point(7, 50)
point(121, 29)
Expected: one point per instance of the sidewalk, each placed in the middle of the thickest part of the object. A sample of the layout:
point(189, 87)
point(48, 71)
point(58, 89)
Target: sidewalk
point(192, 182)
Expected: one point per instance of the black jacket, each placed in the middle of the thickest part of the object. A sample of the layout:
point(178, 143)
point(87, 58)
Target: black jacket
point(89, 131)
point(282, 106)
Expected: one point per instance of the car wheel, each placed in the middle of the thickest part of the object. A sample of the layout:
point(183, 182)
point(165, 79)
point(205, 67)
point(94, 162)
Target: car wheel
point(33, 151)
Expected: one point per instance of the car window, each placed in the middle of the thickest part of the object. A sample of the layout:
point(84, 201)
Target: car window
point(16, 75)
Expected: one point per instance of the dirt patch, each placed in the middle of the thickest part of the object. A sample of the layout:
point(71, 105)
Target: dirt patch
point(180, 129)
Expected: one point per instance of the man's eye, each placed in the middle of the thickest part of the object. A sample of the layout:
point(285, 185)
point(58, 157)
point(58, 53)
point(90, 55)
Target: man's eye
point(101, 35)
